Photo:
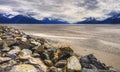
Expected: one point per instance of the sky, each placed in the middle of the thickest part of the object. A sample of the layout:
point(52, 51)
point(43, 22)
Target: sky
point(67, 10)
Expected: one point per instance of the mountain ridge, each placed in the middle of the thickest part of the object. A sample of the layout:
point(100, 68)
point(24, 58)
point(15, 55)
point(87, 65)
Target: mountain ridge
point(21, 19)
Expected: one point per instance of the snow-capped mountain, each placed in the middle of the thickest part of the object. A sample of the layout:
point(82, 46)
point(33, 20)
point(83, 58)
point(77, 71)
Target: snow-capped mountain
point(114, 19)
point(20, 19)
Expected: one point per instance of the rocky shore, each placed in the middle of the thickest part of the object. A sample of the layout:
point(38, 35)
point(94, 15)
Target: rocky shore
point(20, 52)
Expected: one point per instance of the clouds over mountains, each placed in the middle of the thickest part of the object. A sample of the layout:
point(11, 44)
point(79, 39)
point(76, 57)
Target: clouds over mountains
point(68, 10)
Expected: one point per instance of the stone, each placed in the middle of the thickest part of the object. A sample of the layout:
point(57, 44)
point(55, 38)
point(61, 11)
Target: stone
point(73, 65)
point(66, 52)
point(44, 56)
point(61, 64)
point(96, 70)
point(35, 43)
point(35, 55)
point(5, 47)
point(23, 39)
point(11, 56)
point(13, 53)
point(12, 62)
point(39, 49)
point(10, 42)
point(90, 62)
point(55, 56)
point(25, 54)
point(0, 39)
point(4, 59)
point(23, 68)
point(23, 45)
point(15, 49)
point(47, 46)
point(48, 63)
point(53, 69)
point(39, 62)
point(61, 70)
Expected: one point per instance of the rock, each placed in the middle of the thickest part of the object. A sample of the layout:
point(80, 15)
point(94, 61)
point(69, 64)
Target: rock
point(90, 62)
point(0, 39)
point(53, 69)
point(35, 55)
point(96, 70)
point(25, 54)
point(23, 68)
point(85, 62)
point(4, 59)
point(73, 65)
point(13, 53)
point(55, 55)
point(23, 39)
point(39, 62)
point(23, 45)
point(11, 56)
point(44, 56)
point(61, 70)
point(10, 42)
point(6, 69)
point(39, 49)
point(52, 54)
point(47, 46)
point(61, 64)
point(66, 52)
point(15, 49)
point(48, 63)
point(35, 43)
point(12, 62)
point(42, 41)
point(16, 35)
point(5, 47)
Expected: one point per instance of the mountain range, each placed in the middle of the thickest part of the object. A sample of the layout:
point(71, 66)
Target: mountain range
point(21, 19)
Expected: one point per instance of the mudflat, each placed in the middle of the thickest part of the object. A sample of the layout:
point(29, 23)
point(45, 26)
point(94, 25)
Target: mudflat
point(101, 40)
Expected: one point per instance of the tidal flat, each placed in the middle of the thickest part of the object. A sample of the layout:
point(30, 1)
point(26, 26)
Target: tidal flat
point(101, 40)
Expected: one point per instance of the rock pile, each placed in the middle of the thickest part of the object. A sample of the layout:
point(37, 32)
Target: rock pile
point(23, 53)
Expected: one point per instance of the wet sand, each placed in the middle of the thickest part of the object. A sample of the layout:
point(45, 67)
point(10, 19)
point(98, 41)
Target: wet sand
point(101, 40)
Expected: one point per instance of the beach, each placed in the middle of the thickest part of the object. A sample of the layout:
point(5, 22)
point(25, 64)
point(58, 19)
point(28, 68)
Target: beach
point(101, 40)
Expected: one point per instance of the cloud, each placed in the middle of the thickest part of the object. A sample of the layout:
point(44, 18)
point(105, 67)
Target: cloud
point(69, 10)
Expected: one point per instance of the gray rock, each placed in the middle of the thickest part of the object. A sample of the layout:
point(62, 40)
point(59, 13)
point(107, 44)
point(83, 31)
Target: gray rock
point(90, 61)
point(25, 54)
point(96, 70)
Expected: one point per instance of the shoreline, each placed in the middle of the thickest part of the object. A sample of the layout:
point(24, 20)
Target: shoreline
point(86, 39)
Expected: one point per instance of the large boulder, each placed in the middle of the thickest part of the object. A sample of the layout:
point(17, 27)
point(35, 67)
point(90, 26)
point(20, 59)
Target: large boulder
point(91, 62)
point(73, 65)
